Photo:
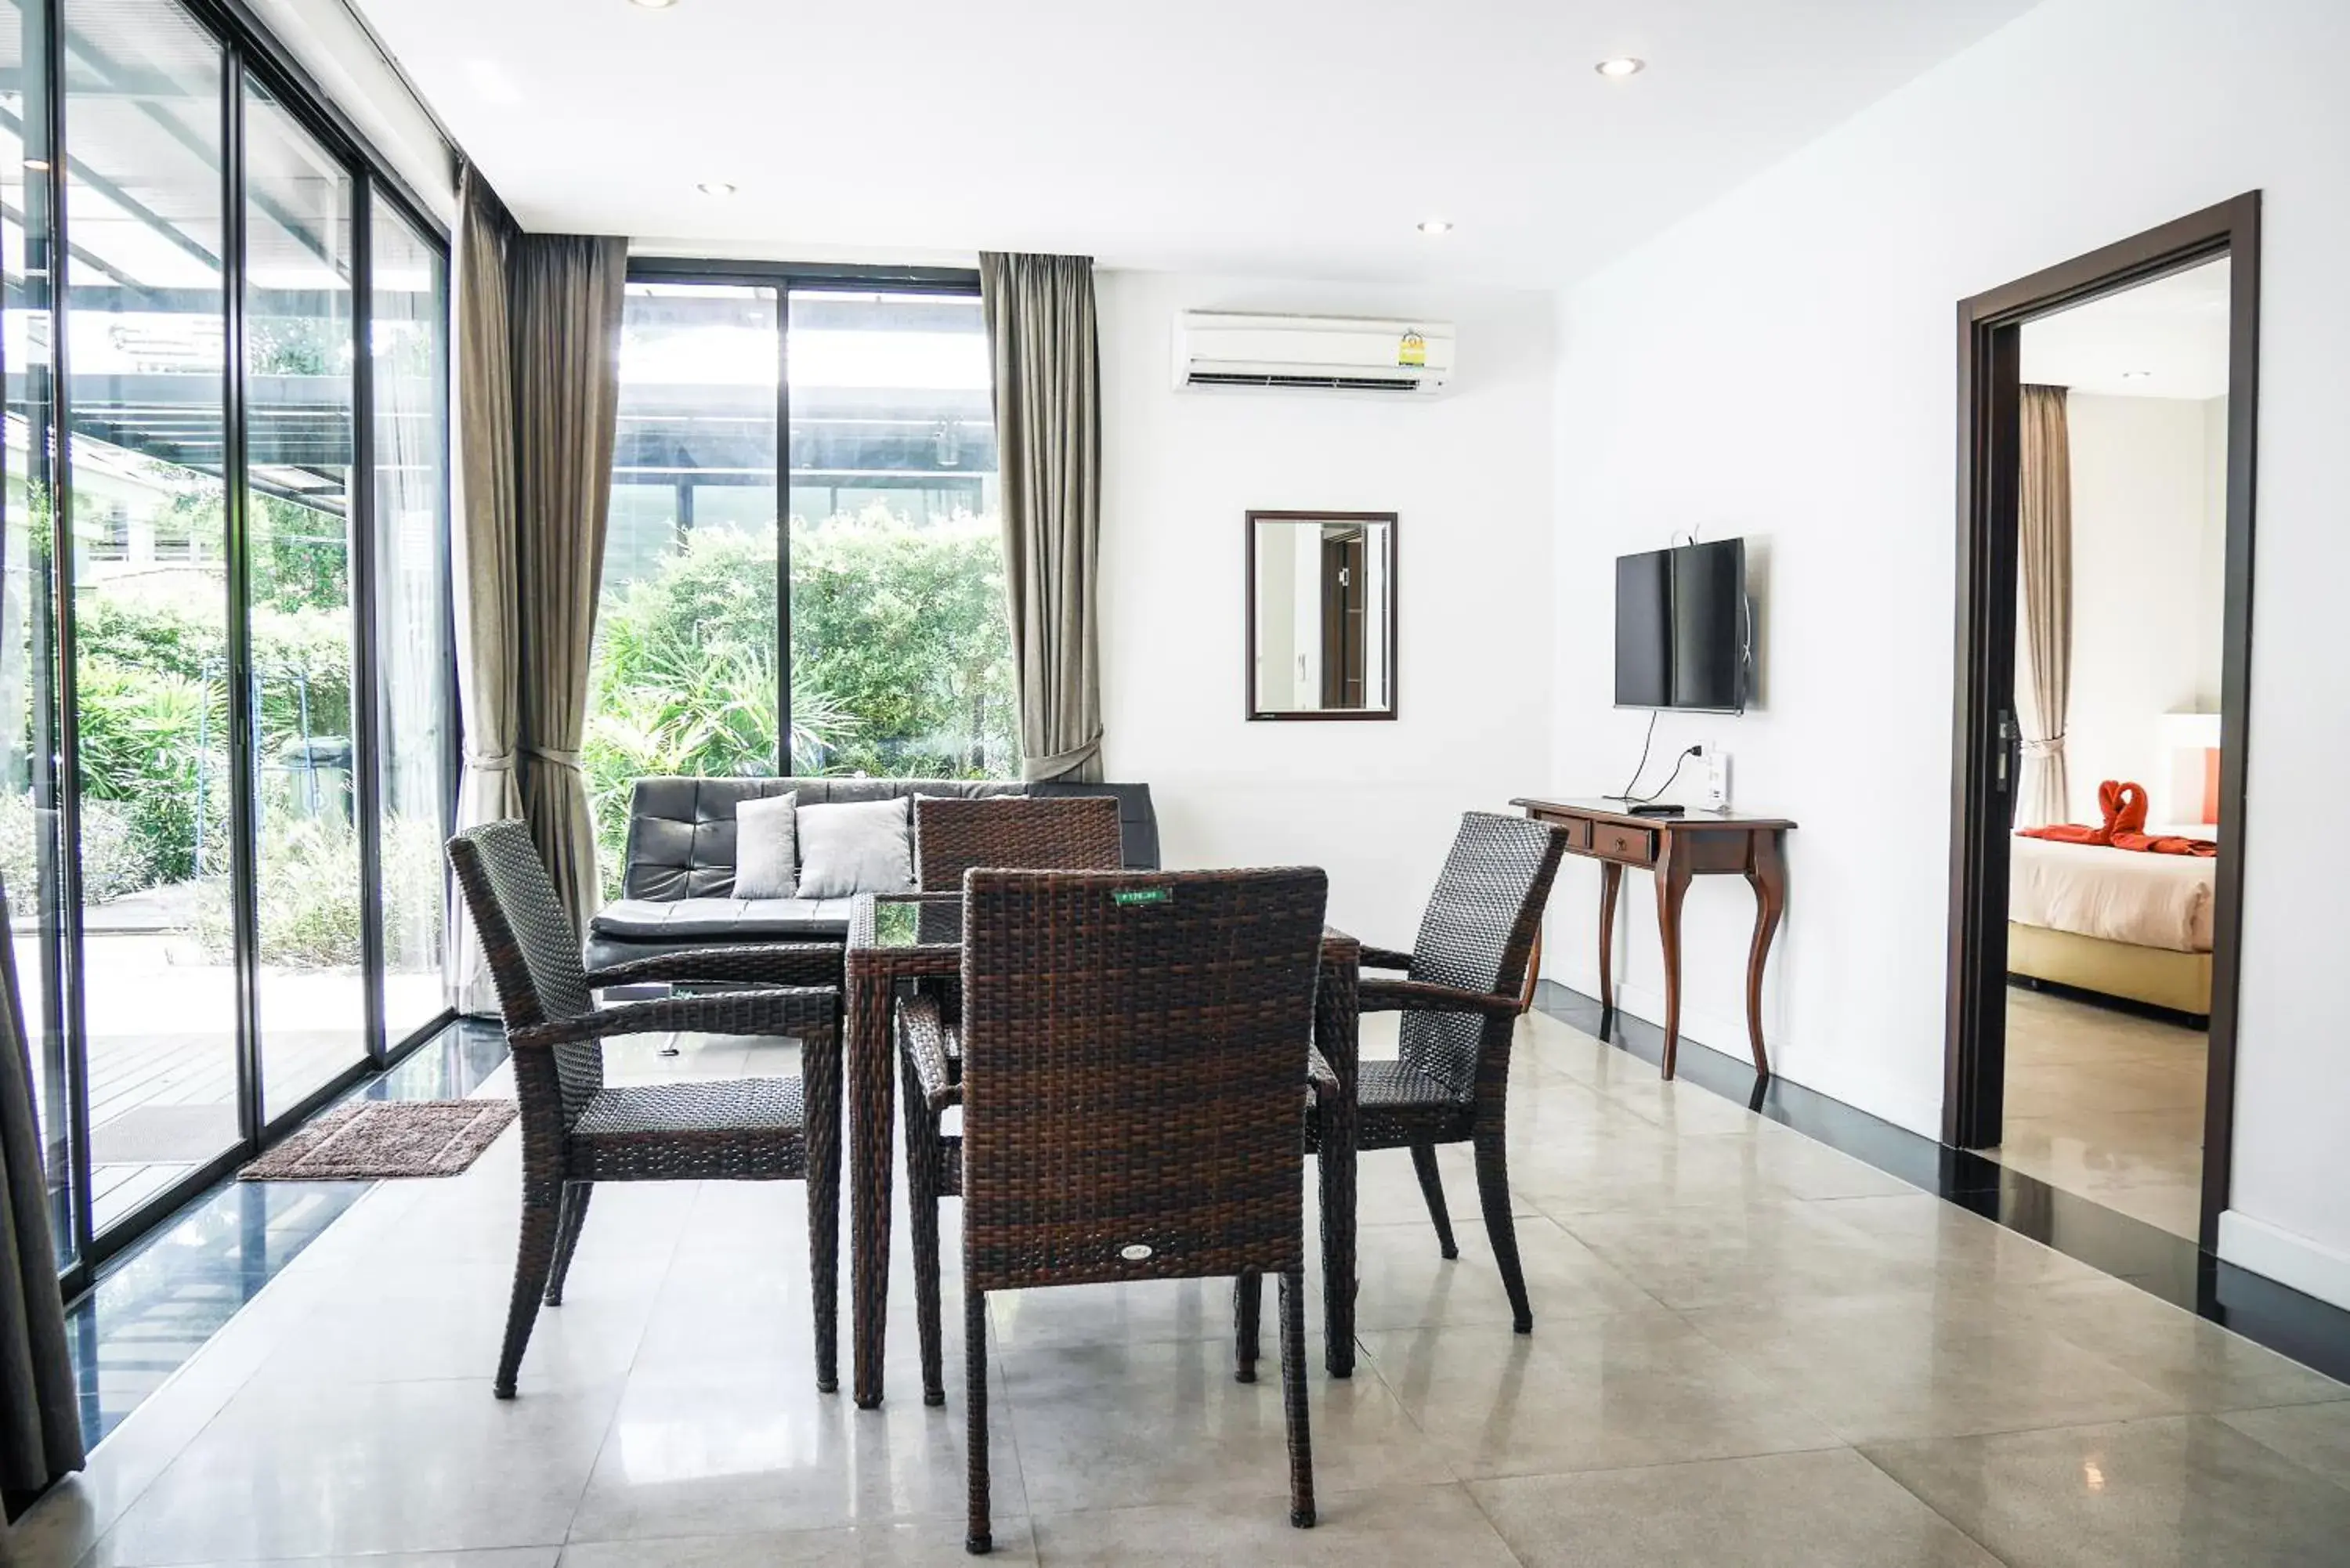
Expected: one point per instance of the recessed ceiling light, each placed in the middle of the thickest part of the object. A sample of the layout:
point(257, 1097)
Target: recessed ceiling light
point(1621, 65)
point(715, 187)
point(1436, 225)
point(652, 5)
point(39, 164)
point(2137, 375)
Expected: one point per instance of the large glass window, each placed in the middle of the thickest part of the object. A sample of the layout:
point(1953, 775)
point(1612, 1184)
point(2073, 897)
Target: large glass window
point(414, 658)
point(298, 353)
point(196, 581)
point(31, 864)
point(899, 653)
point(685, 676)
point(146, 390)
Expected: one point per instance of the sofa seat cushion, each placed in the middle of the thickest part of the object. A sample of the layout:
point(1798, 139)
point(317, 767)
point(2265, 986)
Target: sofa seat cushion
point(735, 920)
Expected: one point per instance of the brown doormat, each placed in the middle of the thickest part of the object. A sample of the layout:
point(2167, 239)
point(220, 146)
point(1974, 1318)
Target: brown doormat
point(386, 1138)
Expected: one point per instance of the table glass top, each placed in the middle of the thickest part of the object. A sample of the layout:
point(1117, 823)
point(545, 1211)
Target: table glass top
point(917, 919)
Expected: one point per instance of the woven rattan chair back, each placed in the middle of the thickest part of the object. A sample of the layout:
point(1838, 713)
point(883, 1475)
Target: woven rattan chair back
point(1133, 1045)
point(533, 952)
point(1025, 833)
point(1478, 933)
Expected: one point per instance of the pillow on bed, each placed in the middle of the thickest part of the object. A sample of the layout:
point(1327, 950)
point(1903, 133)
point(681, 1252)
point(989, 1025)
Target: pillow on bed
point(766, 847)
point(856, 846)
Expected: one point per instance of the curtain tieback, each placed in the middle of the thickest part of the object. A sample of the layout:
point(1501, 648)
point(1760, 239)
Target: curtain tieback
point(2047, 748)
point(1056, 764)
point(559, 758)
point(489, 762)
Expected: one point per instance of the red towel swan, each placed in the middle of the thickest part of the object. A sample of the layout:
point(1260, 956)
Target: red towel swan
point(2124, 805)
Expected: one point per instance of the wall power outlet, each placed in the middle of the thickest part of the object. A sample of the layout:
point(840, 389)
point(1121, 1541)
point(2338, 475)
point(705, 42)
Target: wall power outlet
point(1716, 778)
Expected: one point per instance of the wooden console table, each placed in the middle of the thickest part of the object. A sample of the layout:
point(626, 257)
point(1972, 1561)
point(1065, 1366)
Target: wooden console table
point(1676, 848)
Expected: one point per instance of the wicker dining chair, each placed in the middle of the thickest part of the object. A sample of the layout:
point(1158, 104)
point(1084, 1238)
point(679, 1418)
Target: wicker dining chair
point(577, 1131)
point(1133, 1044)
point(1016, 833)
point(1449, 1081)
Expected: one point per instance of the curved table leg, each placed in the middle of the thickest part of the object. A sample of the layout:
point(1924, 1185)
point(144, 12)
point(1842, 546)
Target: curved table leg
point(1768, 876)
point(1673, 882)
point(1611, 879)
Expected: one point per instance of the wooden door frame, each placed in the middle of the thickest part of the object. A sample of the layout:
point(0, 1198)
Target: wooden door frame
point(1982, 775)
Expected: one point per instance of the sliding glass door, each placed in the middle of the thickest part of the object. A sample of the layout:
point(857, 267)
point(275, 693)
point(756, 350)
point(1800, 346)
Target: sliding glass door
point(224, 547)
point(145, 550)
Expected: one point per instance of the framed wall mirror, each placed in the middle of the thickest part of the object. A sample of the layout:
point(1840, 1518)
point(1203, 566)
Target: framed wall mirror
point(1321, 615)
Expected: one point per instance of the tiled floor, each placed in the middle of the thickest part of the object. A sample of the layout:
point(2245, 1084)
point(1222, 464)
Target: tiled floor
point(2107, 1104)
point(1748, 1350)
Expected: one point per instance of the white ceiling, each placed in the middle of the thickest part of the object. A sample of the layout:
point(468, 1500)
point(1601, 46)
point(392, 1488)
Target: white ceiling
point(1290, 136)
point(2167, 338)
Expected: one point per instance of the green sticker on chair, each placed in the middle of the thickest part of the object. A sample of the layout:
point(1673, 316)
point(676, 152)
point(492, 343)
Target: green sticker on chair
point(1128, 897)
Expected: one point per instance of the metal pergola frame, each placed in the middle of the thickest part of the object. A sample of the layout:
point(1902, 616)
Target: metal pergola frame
point(47, 396)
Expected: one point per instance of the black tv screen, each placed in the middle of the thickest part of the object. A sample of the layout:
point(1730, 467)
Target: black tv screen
point(1680, 627)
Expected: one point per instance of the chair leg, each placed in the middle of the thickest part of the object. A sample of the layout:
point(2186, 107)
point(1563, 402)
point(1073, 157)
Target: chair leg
point(1493, 1191)
point(1292, 1397)
point(1248, 1305)
point(566, 1236)
point(922, 1221)
point(978, 1539)
point(1431, 1187)
point(542, 1217)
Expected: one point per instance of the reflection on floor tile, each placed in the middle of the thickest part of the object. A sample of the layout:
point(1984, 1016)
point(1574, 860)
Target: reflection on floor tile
point(1748, 1350)
point(157, 1305)
point(2106, 1104)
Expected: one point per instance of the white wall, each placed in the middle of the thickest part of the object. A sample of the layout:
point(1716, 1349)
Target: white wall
point(1782, 364)
point(1469, 476)
point(2143, 597)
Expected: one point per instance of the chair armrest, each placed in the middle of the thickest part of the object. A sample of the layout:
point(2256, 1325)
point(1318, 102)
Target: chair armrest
point(761, 963)
point(794, 1010)
point(1385, 958)
point(927, 1042)
point(1427, 996)
point(1320, 1076)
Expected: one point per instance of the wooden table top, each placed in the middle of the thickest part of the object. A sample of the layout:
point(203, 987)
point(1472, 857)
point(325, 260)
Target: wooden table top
point(1695, 817)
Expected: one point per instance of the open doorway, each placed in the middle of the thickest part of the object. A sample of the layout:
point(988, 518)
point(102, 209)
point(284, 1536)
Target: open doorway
point(2105, 641)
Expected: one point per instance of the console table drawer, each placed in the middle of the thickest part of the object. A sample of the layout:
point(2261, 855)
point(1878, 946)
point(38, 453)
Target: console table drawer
point(1577, 831)
point(1633, 846)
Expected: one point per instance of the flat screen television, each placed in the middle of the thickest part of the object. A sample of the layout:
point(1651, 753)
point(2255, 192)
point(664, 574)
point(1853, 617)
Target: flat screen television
point(1682, 625)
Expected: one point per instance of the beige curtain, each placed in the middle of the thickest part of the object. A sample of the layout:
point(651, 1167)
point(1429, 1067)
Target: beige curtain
point(2044, 562)
point(1040, 331)
point(566, 300)
point(483, 431)
point(40, 1399)
point(536, 396)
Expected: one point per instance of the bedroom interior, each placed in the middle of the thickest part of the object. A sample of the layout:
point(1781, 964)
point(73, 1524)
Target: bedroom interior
point(2117, 615)
point(2120, 602)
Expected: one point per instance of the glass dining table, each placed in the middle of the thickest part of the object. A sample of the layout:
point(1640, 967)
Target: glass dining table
point(898, 938)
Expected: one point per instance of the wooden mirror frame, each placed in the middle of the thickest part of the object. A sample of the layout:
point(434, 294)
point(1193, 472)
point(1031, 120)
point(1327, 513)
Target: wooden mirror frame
point(1248, 616)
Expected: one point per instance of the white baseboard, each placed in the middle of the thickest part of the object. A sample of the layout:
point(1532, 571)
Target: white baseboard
point(2288, 1259)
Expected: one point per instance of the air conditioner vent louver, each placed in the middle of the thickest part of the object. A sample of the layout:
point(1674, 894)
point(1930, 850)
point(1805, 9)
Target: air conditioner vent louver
point(1324, 384)
point(1234, 350)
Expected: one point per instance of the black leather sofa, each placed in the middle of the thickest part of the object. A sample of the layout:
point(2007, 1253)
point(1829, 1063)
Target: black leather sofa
point(678, 891)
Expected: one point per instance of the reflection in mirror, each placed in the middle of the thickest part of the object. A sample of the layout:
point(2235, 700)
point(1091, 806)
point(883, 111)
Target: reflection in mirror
point(1321, 615)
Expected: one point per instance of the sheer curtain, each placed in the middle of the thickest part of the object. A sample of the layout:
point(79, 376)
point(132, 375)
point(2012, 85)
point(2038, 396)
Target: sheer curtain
point(2044, 562)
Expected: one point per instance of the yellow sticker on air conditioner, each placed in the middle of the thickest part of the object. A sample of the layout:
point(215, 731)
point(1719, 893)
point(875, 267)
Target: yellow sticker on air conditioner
point(1412, 351)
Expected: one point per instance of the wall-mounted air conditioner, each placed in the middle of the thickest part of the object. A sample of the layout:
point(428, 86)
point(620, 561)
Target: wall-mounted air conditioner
point(1311, 353)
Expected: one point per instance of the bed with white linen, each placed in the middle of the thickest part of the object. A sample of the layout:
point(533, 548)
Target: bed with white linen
point(2119, 922)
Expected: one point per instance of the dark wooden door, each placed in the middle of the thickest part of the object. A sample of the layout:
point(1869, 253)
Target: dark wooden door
point(1344, 649)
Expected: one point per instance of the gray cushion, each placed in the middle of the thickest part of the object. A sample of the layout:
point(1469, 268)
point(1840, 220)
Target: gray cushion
point(734, 920)
point(857, 847)
point(766, 847)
